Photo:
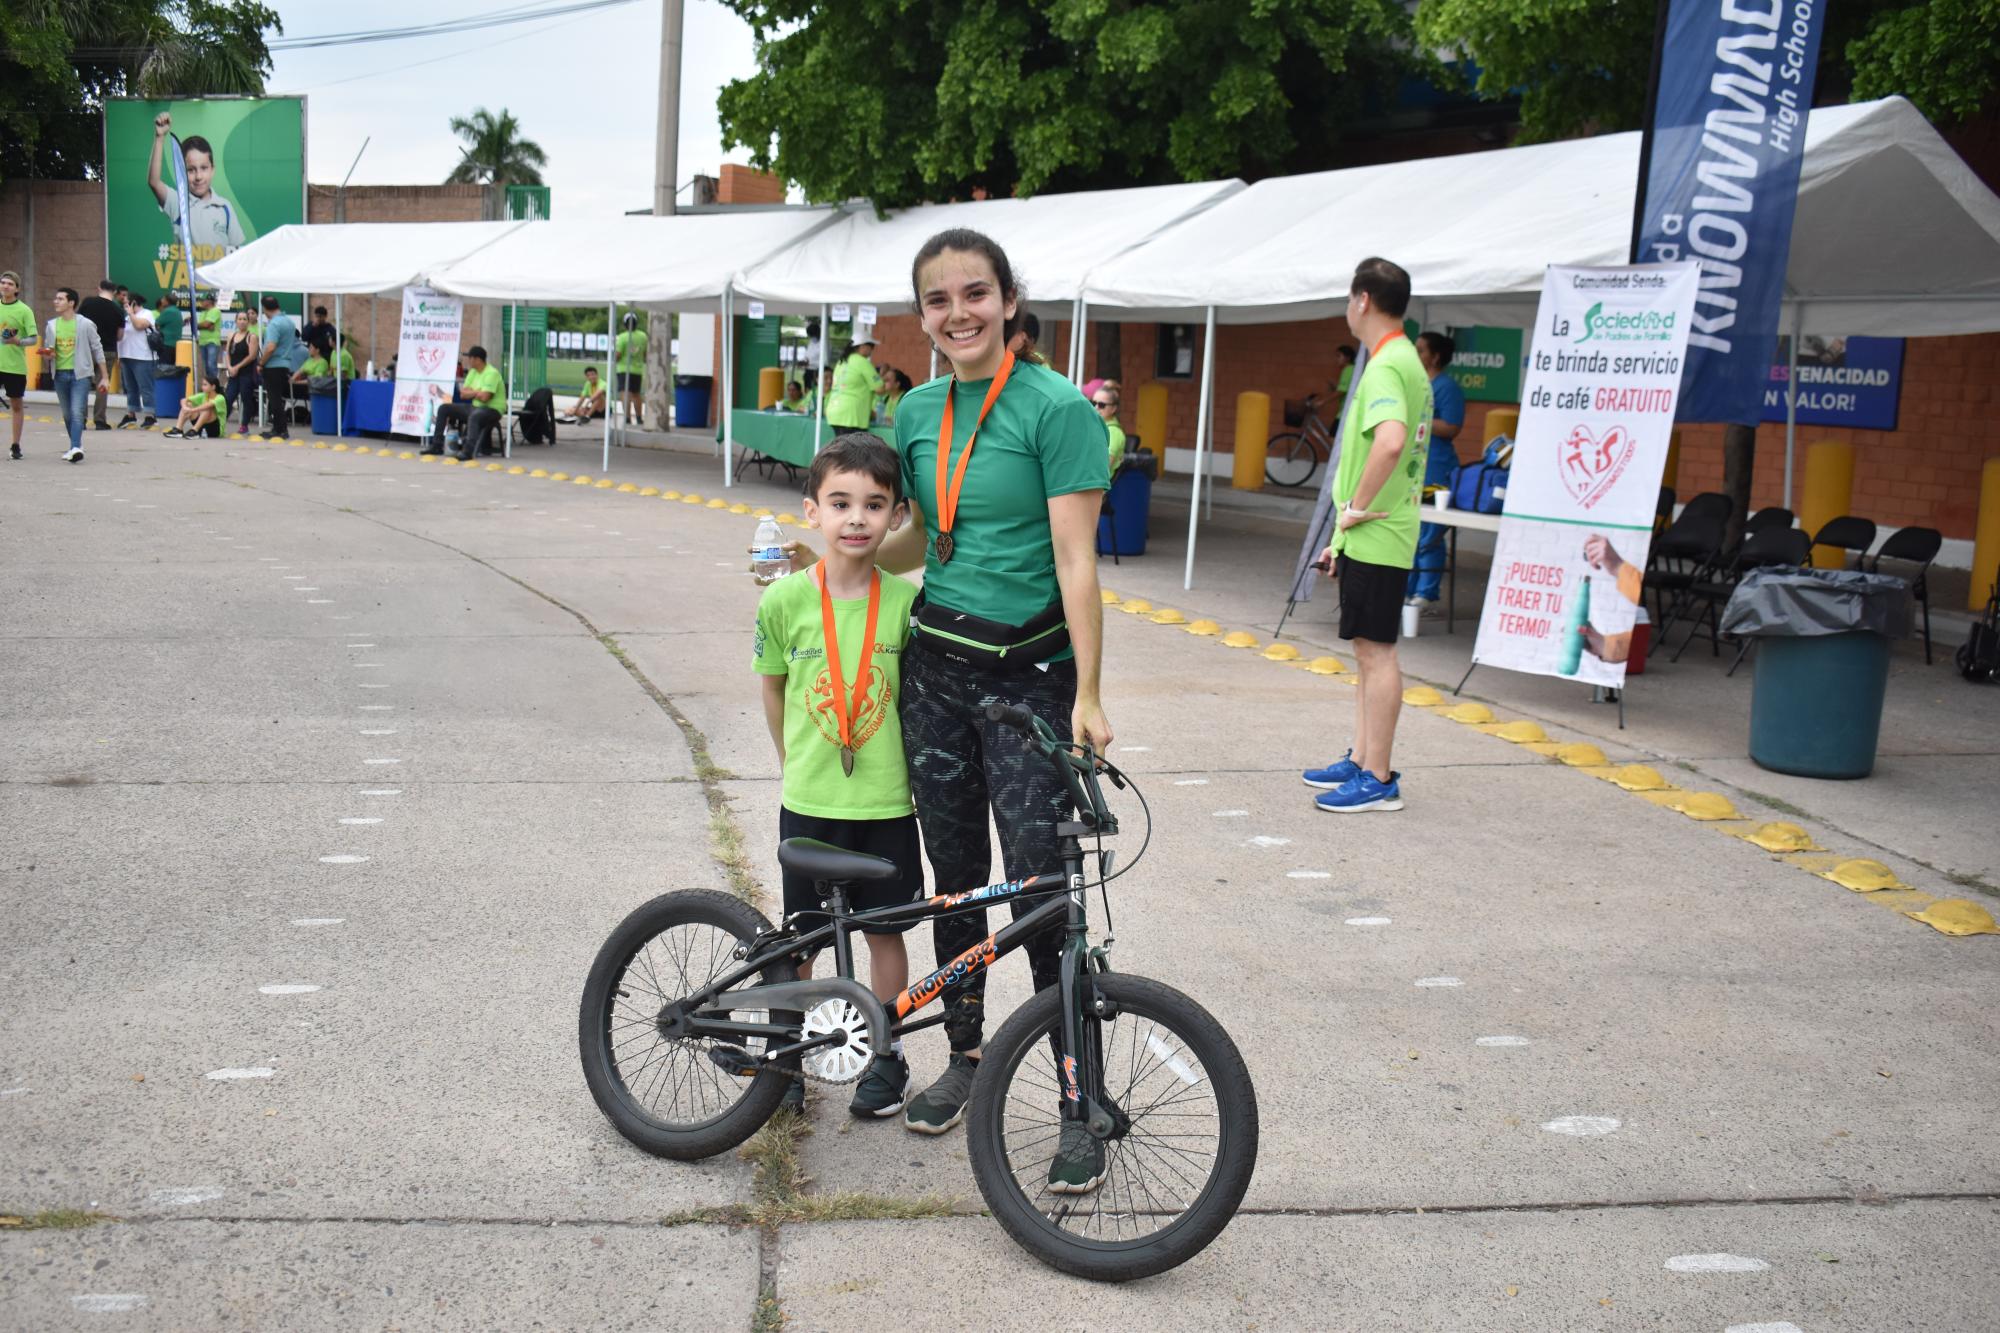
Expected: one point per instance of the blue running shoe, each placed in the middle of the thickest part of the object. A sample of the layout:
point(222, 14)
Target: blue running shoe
point(1363, 791)
point(1335, 774)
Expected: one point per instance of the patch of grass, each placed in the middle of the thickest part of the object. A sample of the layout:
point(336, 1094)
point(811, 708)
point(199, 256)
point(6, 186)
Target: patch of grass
point(728, 1215)
point(1973, 882)
point(54, 1219)
point(853, 1207)
point(1782, 807)
point(725, 842)
point(770, 1316)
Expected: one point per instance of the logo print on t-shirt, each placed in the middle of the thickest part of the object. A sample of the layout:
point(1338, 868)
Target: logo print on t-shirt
point(870, 710)
point(1590, 465)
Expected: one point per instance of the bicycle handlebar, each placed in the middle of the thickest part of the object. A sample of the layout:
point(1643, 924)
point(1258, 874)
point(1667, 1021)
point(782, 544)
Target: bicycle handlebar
point(1079, 771)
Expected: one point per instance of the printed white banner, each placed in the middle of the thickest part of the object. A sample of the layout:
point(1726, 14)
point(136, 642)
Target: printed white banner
point(426, 359)
point(866, 315)
point(756, 310)
point(1597, 415)
point(840, 314)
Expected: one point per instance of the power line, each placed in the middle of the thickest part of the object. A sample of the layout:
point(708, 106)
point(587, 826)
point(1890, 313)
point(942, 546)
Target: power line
point(442, 28)
point(457, 54)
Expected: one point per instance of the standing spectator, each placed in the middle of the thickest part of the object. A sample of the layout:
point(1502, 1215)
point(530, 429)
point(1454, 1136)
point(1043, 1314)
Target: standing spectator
point(79, 362)
point(855, 381)
point(137, 364)
point(107, 312)
point(170, 322)
point(240, 369)
point(1106, 400)
point(284, 352)
point(1343, 378)
point(207, 338)
point(319, 335)
point(1375, 493)
point(17, 334)
point(629, 349)
point(1434, 350)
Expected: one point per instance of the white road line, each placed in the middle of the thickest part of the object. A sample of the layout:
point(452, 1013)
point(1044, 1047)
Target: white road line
point(381, 761)
point(360, 819)
point(123, 1302)
point(377, 708)
point(380, 731)
point(228, 1075)
point(1266, 840)
point(1232, 814)
point(319, 921)
point(1715, 1263)
point(1500, 1041)
point(184, 1196)
point(1308, 874)
point(1439, 981)
point(383, 791)
point(1368, 921)
point(342, 860)
point(1191, 782)
point(287, 988)
point(1582, 1126)
point(376, 685)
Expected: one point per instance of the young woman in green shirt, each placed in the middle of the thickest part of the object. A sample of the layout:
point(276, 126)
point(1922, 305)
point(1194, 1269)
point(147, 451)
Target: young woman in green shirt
point(855, 383)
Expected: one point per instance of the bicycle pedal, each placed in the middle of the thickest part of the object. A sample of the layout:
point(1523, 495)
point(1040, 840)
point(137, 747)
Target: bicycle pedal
point(732, 1060)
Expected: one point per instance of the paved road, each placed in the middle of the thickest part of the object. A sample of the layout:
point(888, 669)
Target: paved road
point(323, 781)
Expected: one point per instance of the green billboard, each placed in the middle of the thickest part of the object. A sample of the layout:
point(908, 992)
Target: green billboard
point(1487, 364)
point(246, 177)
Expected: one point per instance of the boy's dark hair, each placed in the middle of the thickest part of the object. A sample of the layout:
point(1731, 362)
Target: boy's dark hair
point(857, 451)
point(979, 243)
point(1384, 283)
point(1442, 346)
point(194, 143)
point(476, 351)
point(1347, 350)
point(69, 292)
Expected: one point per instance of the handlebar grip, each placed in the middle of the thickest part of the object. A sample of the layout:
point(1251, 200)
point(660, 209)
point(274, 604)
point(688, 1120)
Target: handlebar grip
point(1011, 715)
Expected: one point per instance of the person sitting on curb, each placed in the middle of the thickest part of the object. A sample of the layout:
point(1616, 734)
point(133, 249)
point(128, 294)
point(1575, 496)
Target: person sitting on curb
point(200, 413)
point(589, 403)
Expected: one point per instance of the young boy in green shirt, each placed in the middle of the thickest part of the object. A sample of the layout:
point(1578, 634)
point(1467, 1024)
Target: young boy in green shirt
point(829, 646)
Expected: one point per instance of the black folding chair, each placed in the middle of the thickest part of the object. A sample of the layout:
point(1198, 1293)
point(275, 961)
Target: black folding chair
point(1760, 550)
point(1663, 512)
point(1691, 544)
point(1771, 516)
point(1916, 546)
point(1847, 533)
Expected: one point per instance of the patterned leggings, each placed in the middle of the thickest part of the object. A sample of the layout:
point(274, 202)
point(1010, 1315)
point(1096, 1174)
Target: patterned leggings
point(962, 765)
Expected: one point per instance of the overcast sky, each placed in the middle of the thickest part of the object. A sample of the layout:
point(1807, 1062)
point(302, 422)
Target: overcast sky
point(584, 87)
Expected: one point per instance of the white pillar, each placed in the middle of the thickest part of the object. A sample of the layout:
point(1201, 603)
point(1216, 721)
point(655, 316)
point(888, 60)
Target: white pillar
point(1792, 397)
point(340, 386)
point(819, 393)
point(610, 340)
point(728, 377)
point(1200, 443)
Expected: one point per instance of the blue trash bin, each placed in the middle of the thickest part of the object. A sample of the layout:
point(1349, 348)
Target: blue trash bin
point(323, 414)
point(1129, 523)
point(169, 390)
point(691, 401)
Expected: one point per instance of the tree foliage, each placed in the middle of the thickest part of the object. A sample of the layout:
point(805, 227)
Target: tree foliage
point(901, 101)
point(1581, 66)
point(60, 60)
point(493, 151)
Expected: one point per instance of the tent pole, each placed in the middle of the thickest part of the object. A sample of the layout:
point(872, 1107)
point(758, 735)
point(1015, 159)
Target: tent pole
point(819, 384)
point(513, 336)
point(339, 388)
point(728, 407)
point(1792, 396)
point(933, 374)
point(1200, 444)
point(610, 337)
point(1082, 336)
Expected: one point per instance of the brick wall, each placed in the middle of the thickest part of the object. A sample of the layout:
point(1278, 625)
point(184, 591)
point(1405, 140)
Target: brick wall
point(68, 231)
point(371, 323)
point(743, 185)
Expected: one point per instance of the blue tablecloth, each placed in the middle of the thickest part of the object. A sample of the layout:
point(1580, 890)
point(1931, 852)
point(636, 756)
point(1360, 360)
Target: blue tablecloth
point(369, 403)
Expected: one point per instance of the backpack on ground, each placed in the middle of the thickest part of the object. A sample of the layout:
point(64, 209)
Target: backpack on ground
point(538, 417)
point(1979, 655)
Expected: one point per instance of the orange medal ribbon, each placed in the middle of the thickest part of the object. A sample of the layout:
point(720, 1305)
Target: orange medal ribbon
point(947, 502)
point(841, 712)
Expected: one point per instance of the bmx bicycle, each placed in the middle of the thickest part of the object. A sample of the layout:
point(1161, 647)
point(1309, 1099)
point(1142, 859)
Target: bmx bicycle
point(693, 1022)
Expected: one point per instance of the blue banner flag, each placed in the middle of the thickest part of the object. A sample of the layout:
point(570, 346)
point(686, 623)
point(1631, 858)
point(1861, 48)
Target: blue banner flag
point(181, 188)
point(1725, 140)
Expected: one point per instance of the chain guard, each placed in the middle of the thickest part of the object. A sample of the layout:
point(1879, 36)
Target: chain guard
point(842, 1061)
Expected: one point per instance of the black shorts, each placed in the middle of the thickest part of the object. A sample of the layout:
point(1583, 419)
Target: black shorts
point(629, 381)
point(892, 839)
point(1371, 599)
point(13, 385)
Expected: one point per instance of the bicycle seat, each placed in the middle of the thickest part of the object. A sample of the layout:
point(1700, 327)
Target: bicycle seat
point(821, 861)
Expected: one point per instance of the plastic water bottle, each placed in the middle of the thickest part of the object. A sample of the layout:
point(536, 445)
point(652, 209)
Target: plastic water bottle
point(452, 439)
point(768, 562)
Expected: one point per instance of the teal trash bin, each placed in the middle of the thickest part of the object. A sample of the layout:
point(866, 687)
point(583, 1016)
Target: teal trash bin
point(169, 390)
point(1822, 675)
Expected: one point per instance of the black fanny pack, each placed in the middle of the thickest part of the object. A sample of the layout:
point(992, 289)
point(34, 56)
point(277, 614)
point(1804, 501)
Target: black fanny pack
point(976, 641)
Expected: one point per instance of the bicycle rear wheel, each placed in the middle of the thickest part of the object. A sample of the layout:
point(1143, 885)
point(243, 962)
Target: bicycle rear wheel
point(1290, 459)
point(663, 1093)
point(1170, 1182)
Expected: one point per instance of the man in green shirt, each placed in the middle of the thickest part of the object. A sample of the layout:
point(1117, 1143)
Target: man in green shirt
point(1384, 437)
point(630, 351)
point(17, 334)
point(169, 321)
point(208, 337)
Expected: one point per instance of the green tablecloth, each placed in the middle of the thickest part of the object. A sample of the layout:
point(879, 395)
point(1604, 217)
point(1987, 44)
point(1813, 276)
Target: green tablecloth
point(785, 436)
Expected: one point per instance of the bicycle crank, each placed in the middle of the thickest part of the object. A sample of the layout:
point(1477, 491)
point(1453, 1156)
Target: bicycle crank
point(841, 1060)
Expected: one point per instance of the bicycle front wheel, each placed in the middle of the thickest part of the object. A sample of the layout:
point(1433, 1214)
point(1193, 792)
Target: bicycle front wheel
point(1168, 1184)
point(1290, 459)
point(667, 1094)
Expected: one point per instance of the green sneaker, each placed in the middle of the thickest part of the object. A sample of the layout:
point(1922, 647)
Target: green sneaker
point(883, 1089)
point(1078, 1167)
point(942, 1104)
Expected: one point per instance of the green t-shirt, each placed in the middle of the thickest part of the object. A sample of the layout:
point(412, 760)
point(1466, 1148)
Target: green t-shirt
point(630, 349)
point(1042, 439)
point(1117, 434)
point(1346, 379)
point(852, 401)
point(65, 348)
point(198, 400)
point(489, 378)
point(16, 315)
point(345, 359)
point(1393, 387)
point(208, 327)
point(791, 642)
point(170, 321)
point(314, 365)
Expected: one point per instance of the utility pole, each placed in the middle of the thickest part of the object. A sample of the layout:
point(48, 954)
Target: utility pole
point(666, 171)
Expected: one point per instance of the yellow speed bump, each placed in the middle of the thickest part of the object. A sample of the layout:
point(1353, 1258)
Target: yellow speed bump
point(363, 449)
point(649, 491)
point(1136, 606)
point(1638, 777)
point(1520, 733)
point(340, 448)
point(670, 495)
point(1956, 916)
point(690, 498)
point(1470, 714)
point(1108, 597)
point(1205, 628)
point(1237, 638)
point(405, 454)
point(1167, 615)
point(1281, 652)
point(1581, 755)
point(1779, 836)
point(496, 467)
point(538, 472)
point(761, 512)
point(517, 471)
point(557, 476)
point(606, 484)
point(1706, 806)
point(583, 481)
point(1332, 666)
point(627, 488)
point(739, 508)
point(449, 461)
point(1863, 876)
point(718, 503)
point(785, 518)
point(1422, 696)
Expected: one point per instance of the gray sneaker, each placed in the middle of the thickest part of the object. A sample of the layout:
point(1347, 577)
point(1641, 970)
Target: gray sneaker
point(1078, 1167)
point(883, 1088)
point(942, 1105)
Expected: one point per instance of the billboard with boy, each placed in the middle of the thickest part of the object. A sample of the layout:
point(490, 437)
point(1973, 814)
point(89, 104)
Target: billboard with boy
point(244, 175)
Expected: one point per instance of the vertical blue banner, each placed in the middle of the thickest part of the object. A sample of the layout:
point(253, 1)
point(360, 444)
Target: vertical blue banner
point(187, 237)
point(1727, 135)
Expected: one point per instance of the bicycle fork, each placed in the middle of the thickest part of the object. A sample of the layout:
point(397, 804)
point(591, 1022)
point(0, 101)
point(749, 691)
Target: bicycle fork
point(1084, 1009)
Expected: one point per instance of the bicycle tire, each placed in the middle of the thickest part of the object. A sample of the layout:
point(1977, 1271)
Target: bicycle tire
point(1197, 1039)
point(1290, 459)
point(736, 1117)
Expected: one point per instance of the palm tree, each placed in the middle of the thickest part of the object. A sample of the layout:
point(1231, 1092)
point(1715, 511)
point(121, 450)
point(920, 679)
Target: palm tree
point(495, 152)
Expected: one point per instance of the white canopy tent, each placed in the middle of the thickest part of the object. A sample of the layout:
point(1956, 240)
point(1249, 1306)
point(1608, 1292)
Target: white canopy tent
point(1052, 241)
point(684, 262)
point(349, 259)
point(1894, 236)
